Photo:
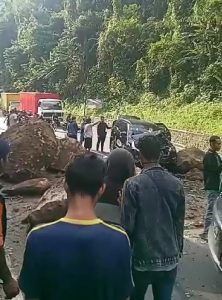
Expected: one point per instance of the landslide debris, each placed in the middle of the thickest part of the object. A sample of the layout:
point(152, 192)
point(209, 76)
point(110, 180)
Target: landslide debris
point(52, 206)
point(29, 187)
point(68, 149)
point(33, 148)
point(190, 158)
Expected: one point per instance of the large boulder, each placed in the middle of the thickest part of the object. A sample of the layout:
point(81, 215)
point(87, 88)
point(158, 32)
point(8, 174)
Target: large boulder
point(33, 148)
point(190, 158)
point(29, 187)
point(194, 175)
point(68, 149)
point(52, 206)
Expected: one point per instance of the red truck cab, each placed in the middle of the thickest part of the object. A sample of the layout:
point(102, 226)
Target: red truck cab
point(44, 104)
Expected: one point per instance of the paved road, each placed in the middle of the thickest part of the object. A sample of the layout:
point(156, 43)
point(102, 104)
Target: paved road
point(198, 279)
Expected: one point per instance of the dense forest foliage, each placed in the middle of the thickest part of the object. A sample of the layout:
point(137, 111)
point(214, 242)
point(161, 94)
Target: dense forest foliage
point(115, 50)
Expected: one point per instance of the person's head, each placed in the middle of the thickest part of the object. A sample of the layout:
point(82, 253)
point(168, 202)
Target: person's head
point(73, 119)
point(120, 166)
point(85, 178)
point(102, 119)
point(215, 143)
point(150, 148)
point(88, 120)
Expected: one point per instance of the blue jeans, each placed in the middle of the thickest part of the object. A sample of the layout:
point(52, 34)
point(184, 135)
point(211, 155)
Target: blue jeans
point(162, 284)
point(212, 197)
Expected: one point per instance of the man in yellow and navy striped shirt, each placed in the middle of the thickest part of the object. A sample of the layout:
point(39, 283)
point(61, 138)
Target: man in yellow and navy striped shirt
point(78, 257)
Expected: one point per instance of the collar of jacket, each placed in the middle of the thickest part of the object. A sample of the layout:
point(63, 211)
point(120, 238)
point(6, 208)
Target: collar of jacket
point(157, 167)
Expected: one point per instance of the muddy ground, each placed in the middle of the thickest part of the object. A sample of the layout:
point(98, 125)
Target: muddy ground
point(19, 207)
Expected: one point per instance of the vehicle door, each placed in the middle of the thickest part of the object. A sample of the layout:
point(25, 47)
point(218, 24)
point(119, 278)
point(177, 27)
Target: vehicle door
point(165, 130)
point(113, 130)
point(122, 138)
point(113, 136)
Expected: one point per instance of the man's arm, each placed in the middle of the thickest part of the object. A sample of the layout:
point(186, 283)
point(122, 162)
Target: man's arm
point(95, 123)
point(180, 217)
point(129, 208)
point(5, 274)
point(10, 286)
point(125, 269)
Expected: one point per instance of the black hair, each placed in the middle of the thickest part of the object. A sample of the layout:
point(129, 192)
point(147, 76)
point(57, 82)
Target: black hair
point(120, 166)
point(86, 175)
point(214, 138)
point(150, 147)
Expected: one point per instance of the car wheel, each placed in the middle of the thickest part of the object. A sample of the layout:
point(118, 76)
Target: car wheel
point(119, 144)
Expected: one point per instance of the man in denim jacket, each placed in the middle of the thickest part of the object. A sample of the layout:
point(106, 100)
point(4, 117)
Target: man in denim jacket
point(153, 212)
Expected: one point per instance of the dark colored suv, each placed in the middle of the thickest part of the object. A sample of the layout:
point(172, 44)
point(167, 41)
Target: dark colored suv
point(126, 132)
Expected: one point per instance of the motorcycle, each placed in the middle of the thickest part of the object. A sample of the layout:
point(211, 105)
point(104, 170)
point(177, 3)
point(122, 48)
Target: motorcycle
point(55, 123)
point(64, 126)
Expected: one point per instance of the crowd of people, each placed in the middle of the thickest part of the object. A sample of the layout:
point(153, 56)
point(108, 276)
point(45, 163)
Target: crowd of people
point(15, 117)
point(121, 233)
point(86, 131)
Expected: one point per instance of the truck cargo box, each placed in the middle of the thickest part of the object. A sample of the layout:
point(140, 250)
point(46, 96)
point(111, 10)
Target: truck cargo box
point(29, 101)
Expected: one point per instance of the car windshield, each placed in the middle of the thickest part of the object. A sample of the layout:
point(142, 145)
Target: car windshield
point(51, 105)
point(141, 128)
point(14, 104)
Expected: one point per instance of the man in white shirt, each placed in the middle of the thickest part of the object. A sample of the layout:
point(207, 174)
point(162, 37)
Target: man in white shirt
point(88, 134)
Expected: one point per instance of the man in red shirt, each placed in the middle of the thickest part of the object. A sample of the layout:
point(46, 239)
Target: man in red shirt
point(10, 286)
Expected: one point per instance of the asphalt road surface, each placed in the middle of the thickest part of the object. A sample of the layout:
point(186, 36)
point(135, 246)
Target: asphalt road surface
point(198, 278)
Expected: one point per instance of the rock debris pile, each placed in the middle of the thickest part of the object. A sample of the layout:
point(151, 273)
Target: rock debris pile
point(35, 148)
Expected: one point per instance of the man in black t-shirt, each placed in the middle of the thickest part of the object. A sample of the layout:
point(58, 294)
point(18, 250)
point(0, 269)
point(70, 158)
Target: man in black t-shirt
point(101, 132)
point(212, 170)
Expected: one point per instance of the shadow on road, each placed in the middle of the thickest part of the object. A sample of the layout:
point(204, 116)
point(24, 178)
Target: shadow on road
point(198, 277)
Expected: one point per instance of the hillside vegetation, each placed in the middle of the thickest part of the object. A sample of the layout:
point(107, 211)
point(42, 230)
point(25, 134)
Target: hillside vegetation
point(160, 59)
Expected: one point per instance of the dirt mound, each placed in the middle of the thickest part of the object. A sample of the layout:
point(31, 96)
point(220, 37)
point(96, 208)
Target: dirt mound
point(190, 158)
point(33, 147)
